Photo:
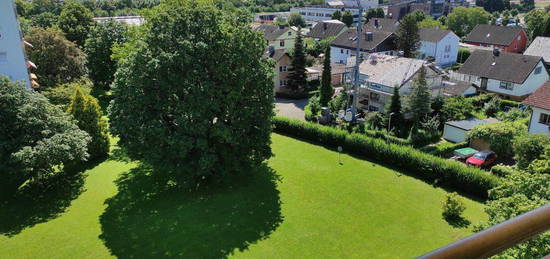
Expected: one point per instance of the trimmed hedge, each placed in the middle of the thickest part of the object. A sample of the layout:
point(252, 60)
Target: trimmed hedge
point(444, 149)
point(502, 170)
point(385, 136)
point(430, 168)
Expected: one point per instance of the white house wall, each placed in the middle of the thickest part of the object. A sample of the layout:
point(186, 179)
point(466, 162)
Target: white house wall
point(437, 50)
point(535, 127)
point(12, 57)
point(454, 134)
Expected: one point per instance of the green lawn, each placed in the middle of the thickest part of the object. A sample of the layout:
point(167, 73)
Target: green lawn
point(309, 207)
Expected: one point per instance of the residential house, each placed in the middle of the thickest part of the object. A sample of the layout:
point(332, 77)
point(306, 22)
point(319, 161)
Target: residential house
point(382, 24)
point(456, 131)
point(442, 45)
point(379, 74)
point(450, 88)
point(278, 37)
point(282, 65)
point(345, 45)
point(539, 101)
point(510, 75)
point(327, 29)
point(540, 47)
point(507, 39)
point(337, 70)
point(13, 61)
point(323, 12)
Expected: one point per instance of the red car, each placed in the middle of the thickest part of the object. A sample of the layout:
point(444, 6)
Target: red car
point(482, 159)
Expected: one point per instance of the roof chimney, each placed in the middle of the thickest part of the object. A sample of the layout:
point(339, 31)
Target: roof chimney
point(271, 51)
point(376, 23)
point(325, 26)
point(369, 36)
point(496, 52)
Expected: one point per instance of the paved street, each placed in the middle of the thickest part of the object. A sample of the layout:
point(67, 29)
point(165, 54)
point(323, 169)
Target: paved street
point(290, 108)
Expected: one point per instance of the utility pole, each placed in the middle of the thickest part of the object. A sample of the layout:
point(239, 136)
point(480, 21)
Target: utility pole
point(357, 61)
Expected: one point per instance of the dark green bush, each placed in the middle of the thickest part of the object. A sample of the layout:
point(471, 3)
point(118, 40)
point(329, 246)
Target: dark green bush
point(430, 168)
point(385, 136)
point(502, 170)
point(444, 149)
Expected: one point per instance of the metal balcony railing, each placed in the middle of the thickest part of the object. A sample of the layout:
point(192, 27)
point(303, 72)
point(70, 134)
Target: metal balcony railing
point(498, 238)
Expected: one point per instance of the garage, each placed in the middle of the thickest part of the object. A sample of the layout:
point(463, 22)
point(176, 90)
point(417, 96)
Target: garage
point(456, 131)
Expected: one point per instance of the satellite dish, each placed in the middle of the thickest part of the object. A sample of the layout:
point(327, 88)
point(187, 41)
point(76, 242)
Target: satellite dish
point(349, 116)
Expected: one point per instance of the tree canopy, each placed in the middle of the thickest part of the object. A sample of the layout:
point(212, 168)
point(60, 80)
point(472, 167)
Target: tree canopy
point(35, 136)
point(462, 19)
point(408, 39)
point(297, 77)
point(99, 49)
point(193, 115)
point(347, 18)
point(59, 60)
point(76, 21)
point(419, 99)
point(326, 91)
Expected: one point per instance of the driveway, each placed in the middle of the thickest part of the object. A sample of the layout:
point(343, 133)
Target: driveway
point(290, 108)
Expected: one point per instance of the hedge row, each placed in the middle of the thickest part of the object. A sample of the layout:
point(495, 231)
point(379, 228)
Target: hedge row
point(502, 170)
point(386, 137)
point(430, 168)
point(444, 149)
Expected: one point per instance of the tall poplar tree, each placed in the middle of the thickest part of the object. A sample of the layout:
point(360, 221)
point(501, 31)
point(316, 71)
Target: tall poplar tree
point(408, 39)
point(420, 97)
point(395, 115)
point(326, 91)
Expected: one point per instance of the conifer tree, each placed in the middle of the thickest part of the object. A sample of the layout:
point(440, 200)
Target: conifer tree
point(297, 78)
point(420, 98)
point(87, 112)
point(347, 18)
point(395, 115)
point(326, 91)
point(408, 38)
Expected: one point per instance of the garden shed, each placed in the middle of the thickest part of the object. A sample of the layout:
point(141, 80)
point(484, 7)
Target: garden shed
point(456, 131)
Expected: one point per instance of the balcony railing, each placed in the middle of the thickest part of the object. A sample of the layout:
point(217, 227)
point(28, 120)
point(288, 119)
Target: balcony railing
point(498, 238)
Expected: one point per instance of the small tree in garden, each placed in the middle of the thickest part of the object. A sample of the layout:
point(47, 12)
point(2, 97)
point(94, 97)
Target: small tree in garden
point(89, 117)
point(337, 15)
point(453, 207)
point(297, 78)
point(499, 135)
point(492, 107)
point(326, 91)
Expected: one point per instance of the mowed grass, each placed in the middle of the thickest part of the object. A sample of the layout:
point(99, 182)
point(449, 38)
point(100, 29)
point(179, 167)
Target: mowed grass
point(318, 208)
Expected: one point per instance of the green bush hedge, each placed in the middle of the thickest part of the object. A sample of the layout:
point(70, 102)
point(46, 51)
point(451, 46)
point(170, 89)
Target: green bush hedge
point(444, 149)
point(385, 136)
point(502, 170)
point(449, 173)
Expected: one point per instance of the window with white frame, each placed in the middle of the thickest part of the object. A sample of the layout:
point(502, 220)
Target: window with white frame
point(538, 70)
point(282, 43)
point(282, 68)
point(506, 85)
point(544, 119)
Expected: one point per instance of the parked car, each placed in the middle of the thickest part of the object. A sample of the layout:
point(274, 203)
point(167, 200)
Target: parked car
point(482, 159)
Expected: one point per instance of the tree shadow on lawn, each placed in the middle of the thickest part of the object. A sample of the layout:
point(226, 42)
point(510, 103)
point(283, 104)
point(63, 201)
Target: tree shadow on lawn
point(41, 201)
point(145, 221)
point(459, 222)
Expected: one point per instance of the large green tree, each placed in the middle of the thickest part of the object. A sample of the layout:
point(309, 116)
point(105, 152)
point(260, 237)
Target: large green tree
point(76, 21)
point(463, 19)
point(35, 137)
point(182, 105)
point(297, 77)
point(528, 148)
point(395, 114)
point(408, 39)
point(99, 49)
point(337, 15)
point(296, 20)
point(86, 111)
point(59, 60)
point(420, 98)
point(536, 21)
point(326, 91)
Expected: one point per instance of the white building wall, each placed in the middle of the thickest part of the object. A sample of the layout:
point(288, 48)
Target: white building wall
point(438, 50)
point(341, 55)
point(315, 14)
point(534, 126)
point(454, 134)
point(532, 83)
point(12, 57)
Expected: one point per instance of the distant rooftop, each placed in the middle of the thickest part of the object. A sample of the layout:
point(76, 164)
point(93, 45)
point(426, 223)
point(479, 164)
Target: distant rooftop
point(388, 70)
point(540, 47)
point(471, 123)
point(130, 20)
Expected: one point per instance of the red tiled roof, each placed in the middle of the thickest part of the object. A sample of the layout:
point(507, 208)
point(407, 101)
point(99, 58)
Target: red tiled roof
point(540, 98)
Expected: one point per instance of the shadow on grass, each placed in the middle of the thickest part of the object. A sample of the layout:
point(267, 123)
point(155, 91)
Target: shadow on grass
point(142, 221)
point(40, 201)
point(459, 222)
